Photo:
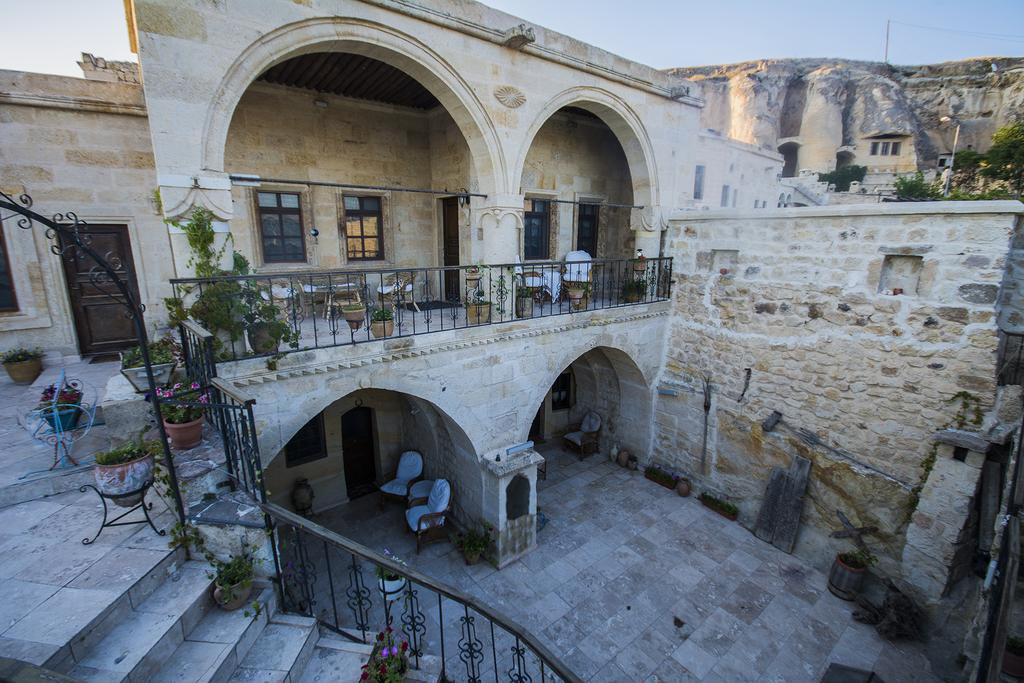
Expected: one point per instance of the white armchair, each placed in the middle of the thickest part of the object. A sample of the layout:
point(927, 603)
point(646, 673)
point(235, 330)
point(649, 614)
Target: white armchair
point(410, 470)
point(427, 521)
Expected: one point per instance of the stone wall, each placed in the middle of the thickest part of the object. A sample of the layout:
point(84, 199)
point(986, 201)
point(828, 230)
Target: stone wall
point(802, 299)
point(82, 146)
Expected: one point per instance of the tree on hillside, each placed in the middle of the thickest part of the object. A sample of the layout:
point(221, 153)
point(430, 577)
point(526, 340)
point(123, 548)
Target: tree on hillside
point(915, 187)
point(842, 177)
point(966, 164)
point(1005, 159)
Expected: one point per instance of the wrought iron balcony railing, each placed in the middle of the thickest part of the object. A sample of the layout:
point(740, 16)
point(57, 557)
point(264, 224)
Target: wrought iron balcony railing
point(266, 314)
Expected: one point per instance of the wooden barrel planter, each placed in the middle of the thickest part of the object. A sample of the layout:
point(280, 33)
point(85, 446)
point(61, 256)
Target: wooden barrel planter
point(845, 581)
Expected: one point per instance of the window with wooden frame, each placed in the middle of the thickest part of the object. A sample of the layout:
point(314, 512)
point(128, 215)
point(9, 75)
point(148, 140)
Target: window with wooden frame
point(364, 228)
point(307, 445)
point(281, 233)
point(536, 225)
point(561, 392)
point(8, 299)
point(587, 220)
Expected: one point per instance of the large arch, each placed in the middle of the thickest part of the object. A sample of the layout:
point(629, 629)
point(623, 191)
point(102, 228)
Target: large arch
point(619, 391)
point(624, 122)
point(383, 43)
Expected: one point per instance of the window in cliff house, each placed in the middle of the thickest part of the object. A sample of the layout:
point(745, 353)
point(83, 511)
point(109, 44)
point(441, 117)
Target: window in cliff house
point(895, 149)
point(364, 220)
point(586, 228)
point(536, 223)
point(885, 148)
point(874, 149)
point(725, 196)
point(698, 182)
point(281, 227)
point(307, 445)
point(8, 300)
point(561, 392)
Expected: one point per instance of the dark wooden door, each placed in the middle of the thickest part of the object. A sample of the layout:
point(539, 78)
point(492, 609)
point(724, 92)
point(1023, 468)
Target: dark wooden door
point(357, 446)
point(537, 427)
point(450, 245)
point(101, 323)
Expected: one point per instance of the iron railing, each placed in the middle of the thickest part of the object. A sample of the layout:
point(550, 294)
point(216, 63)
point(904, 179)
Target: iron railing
point(271, 313)
point(333, 579)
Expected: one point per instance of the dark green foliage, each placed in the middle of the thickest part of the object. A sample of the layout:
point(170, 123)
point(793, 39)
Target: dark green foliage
point(842, 177)
point(915, 187)
point(1005, 158)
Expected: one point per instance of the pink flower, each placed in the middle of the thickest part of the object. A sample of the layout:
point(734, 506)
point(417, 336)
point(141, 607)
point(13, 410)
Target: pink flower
point(195, 385)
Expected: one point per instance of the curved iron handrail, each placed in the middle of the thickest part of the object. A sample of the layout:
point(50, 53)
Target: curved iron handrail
point(278, 513)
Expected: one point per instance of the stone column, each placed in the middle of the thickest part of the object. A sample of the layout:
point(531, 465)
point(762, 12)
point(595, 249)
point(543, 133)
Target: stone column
point(497, 223)
point(179, 196)
point(510, 502)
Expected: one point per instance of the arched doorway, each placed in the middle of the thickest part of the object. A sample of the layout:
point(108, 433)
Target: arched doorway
point(790, 152)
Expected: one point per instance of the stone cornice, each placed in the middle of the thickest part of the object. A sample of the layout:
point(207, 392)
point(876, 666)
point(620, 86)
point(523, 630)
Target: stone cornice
point(72, 103)
point(387, 356)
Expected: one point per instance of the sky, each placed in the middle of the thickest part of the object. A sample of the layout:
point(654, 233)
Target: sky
point(47, 36)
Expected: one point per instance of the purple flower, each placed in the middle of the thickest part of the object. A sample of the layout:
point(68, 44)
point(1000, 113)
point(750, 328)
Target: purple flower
point(195, 385)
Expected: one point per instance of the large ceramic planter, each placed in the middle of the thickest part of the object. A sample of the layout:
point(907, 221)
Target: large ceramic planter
point(261, 340)
point(845, 581)
point(382, 328)
point(24, 371)
point(137, 376)
point(478, 314)
point(233, 597)
point(63, 418)
point(577, 297)
point(391, 589)
point(354, 317)
point(117, 480)
point(683, 487)
point(185, 435)
point(524, 307)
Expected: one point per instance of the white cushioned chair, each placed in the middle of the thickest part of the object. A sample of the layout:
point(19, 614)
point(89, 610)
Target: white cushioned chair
point(427, 520)
point(410, 470)
point(584, 439)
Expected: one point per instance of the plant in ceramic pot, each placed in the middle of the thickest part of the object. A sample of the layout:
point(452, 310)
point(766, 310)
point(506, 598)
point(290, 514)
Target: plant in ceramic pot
point(164, 356)
point(474, 543)
point(232, 579)
point(61, 406)
point(354, 314)
point(389, 660)
point(220, 308)
point(263, 326)
point(478, 307)
point(390, 582)
point(577, 292)
point(126, 469)
point(524, 302)
point(640, 262)
point(1013, 657)
point(633, 291)
point(23, 365)
point(382, 323)
point(182, 409)
point(846, 577)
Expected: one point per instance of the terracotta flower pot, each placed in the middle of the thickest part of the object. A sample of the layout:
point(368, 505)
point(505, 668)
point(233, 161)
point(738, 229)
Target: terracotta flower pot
point(471, 558)
point(354, 317)
point(232, 597)
point(382, 328)
point(186, 435)
point(623, 458)
point(683, 487)
point(117, 480)
point(845, 581)
point(24, 371)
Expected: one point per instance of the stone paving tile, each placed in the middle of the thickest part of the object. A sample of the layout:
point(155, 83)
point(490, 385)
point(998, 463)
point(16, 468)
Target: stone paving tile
point(59, 618)
point(18, 598)
point(629, 582)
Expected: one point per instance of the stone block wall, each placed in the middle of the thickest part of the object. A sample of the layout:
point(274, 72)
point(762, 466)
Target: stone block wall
point(803, 300)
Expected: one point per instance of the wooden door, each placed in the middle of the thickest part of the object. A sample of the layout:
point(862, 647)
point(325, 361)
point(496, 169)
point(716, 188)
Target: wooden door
point(359, 450)
point(100, 322)
point(537, 427)
point(450, 245)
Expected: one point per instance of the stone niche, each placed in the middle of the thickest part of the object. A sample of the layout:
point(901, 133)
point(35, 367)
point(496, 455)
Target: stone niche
point(901, 271)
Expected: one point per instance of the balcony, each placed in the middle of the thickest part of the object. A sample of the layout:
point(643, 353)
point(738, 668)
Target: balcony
point(268, 314)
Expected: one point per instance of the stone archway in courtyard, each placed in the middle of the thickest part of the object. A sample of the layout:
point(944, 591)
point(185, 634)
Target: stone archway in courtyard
point(366, 39)
point(329, 448)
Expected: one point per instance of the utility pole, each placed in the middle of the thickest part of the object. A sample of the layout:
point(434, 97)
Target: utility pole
point(886, 58)
point(952, 159)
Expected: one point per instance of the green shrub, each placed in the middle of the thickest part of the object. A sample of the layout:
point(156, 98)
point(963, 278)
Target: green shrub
point(858, 559)
point(842, 177)
point(718, 504)
point(915, 187)
point(129, 451)
point(19, 354)
point(382, 315)
point(164, 351)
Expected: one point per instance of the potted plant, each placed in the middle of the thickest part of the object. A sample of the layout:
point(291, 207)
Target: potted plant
point(220, 308)
point(847, 574)
point(390, 582)
point(163, 357)
point(61, 406)
point(473, 276)
point(354, 314)
point(577, 292)
point(633, 291)
point(183, 420)
point(1013, 657)
point(232, 579)
point(126, 469)
point(640, 262)
point(382, 323)
point(660, 476)
point(473, 544)
point(23, 365)
point(724, 508)
point(389, 661)
point(524, 302)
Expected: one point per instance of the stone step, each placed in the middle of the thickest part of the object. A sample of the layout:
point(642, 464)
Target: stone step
point(281, 652)
point(338, 659)
point(213, 649)
point(146, 636)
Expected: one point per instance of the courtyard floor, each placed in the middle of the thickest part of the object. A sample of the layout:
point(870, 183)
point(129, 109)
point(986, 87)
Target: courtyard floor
point(630, 582)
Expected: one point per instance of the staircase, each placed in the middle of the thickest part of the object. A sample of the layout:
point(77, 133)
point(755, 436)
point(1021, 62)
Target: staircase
point(172, 632)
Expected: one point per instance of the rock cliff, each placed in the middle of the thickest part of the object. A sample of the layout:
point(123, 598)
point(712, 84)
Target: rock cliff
point(828, 104)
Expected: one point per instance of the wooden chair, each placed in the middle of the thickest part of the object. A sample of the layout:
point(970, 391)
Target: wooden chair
point(584, 438)
point(426, 519)
point(409, 471)
point(403, 282)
